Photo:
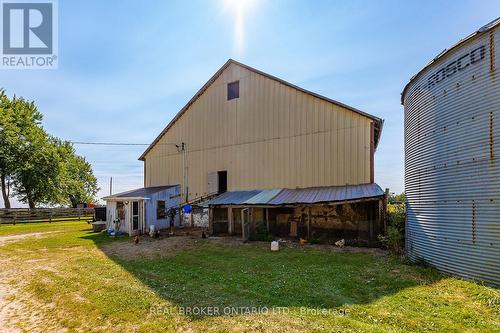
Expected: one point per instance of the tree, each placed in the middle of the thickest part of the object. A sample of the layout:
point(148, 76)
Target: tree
point(19, 120)
point(5, 144)
point(78, 183)
point(36, 180)
point(40, 168)
point(397, 198)
point(53, 174)
point(394, 235)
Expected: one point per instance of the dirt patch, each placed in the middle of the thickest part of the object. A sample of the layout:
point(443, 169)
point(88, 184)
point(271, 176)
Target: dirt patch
point(8, 306)
point(333, 248)
point(150, 248)
point(16, 238)
point(19, 312)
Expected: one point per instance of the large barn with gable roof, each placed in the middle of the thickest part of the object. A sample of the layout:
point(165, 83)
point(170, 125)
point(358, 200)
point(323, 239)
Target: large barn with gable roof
point(263, 153)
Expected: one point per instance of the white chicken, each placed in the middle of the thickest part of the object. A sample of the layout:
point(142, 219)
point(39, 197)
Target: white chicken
point(340, 243)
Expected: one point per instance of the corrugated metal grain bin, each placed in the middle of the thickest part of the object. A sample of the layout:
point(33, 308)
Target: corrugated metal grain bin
point(452, 165)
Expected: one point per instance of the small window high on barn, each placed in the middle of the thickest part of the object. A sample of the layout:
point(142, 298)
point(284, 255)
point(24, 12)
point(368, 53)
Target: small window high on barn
point(233, 90)
point(161, 212)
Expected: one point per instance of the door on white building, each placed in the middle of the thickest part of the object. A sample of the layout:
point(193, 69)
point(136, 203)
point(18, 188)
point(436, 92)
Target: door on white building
point(136, 217)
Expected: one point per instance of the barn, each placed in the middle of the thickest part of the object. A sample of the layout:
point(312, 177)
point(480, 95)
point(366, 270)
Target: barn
point(271, 155)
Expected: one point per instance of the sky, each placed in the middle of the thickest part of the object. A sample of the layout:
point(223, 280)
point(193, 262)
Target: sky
point(127, 67)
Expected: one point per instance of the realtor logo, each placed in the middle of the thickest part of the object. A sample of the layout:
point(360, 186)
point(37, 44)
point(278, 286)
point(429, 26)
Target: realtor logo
point(29, 34)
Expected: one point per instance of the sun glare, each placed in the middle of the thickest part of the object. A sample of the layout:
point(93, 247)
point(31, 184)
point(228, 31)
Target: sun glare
point(239, 9)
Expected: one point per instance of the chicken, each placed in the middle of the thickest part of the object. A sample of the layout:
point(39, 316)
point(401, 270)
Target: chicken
point(340, 243)
point(136, 240)
point(303, 241)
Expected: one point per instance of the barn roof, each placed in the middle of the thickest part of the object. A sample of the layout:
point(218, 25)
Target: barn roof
point(139, 193)
point(310, 195)
point(378, 121)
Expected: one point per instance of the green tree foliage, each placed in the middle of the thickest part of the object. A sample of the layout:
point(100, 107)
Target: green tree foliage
point(78, 183)
point(6, 141)
point(42, 169)
point(397, 198)
point(19, 124)
point(38, 176)
point(394, 236)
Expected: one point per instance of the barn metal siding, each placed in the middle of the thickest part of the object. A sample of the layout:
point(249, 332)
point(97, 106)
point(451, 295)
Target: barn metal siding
point(452, 166)
point(298, 139)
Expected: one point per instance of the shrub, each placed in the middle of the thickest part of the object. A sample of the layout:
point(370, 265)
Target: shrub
point(261, 234)
point(394, 236)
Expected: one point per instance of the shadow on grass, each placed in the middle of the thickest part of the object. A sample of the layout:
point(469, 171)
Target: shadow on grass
point(211, 274)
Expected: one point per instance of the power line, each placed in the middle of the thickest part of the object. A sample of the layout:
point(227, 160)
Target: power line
point(118, 143)
point(108, 143)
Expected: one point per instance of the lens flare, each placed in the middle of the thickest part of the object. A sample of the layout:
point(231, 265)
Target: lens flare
point(239, 9)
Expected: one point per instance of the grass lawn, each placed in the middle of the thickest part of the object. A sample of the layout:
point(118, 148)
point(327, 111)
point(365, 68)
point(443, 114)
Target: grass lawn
point(71, 279)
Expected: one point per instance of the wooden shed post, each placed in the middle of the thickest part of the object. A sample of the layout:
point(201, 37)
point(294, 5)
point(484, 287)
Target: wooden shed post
point(251, 221)
point(370, 221)
point(384, 208)
point(230, 221)
point(181, 216)
point(309, 223)
point(210, 221)
point(381, 219)
point(267, 219)
point(243, 223)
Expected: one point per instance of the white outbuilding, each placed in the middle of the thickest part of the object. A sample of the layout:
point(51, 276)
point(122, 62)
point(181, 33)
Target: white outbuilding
point(141, 208)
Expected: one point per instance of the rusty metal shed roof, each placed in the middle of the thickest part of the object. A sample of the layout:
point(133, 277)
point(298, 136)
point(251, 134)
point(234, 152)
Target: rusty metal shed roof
point(311, 195)
point(263, 196)
point(326, 194)
point(233, 198)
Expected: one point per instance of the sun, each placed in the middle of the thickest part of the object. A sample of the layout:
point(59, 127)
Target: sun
point(240, 10)
point(239, 5)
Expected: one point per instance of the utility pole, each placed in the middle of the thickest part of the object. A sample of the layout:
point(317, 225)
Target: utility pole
point(182, 148)
point(186, 186)
point(111, 186)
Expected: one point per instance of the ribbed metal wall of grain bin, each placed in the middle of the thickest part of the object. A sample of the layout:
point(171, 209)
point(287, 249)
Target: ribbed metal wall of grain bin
point(452, 164)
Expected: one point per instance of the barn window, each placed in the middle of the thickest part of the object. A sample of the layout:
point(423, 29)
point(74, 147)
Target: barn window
point(233, 90)
point(161, 213)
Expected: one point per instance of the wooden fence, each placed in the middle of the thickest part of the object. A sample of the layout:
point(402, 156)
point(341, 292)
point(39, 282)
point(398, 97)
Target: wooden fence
point(26, 215)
